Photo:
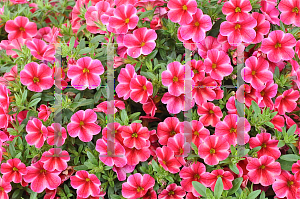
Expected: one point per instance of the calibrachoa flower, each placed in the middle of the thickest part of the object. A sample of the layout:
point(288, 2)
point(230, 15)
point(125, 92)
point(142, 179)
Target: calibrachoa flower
point(4, 118)
point(180, 146)
point(167, 159)
point(279, 46)
point(182, 11)
point(44, 112)
point(40, 50)
point(56, 134)
point(172, 192)
point(13, 170)
point(197, 28)
point(137, 185)
point(135, 135)
point(83, 125)
point(86, 73)
point(142, 41)
point(176, 104)
point(205, 45)
point(263, 170)
point(168, 128)
point(226, 176)
point(20, 27)
point(262, 28)
point(36, 133)
point(289, 12)
point(141, 89)
point(267, 94)
point(116, 134)
point(5, 188)
point(124, 79)
point(203, 91)
point(85, 183)
point(296, 169)
point(55, 159)
point(121, 171)
point(198, 68)
point(37, 77)
point(286, 185)
point(4, 97)
point(40, 178)
point(124, 18)
point(134, 156)
point(287, 101)
point(236, 10)
point(210, 114)
point(213, 149)
point(103, 106)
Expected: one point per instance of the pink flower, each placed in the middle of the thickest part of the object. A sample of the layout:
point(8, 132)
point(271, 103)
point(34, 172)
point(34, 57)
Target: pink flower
point(279, 46)
point(124, 18)
point(196, 29)
point(102, 107)
point(176, 104)
point(44, 112)
point(246, 94)
point(40, 50)
point(217, 64)
point(287, 101)
point(226, 176)
point(236, 10)
point(116, 134)
point(36, 133)
point(86, 73)
point(198, 68)
point(134, 156)
point(262, 28)
point(56, 134)
point(296, 169)
point(182, 11)
point(195, 132)
point(167, 160)
point(168, 128)
point(141, 89)
point(271, 13)
point(107, 156)
point(20, 27)
point(135, 135)
point(263, 170)
point(267, 94)
point(268, 145)
point(207, 44)
point(83, 125)
point(55, 159)
point(13, 170)
point(142, 41)
point(172, 192)
point(5, 188)
point(121, 171)
point(179, 146)
point(238, 32)
point(124, 79)
point(256, 72)
point(137, 185)
point(214, 149)
point(85, 183)
point(40, 178)
point(286, 185)
point(4, 97)
point(289, 12)
point(14, 44)
point(210, 114)
point(203, 90)
point(36, 77)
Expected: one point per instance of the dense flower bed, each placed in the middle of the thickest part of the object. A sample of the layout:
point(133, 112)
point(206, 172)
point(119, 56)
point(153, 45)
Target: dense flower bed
point(206, 101)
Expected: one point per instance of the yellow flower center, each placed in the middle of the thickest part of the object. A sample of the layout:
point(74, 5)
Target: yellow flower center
point(22, 29)
point(172, 133)
point(238, 9)
point(262, 167)
point(15, 169)
point(109, 153)
point(219, 176)
point(232, 130)
point(1, 189)
point(237, 26)
point(295, 10)
point(278, 45)
point(81, 123)
point(197, 176)
point(214, 66)
point(212, 151)
point(171, 193)
point(175, 79)
point(197, 23)
point(43, 171)
point(144, 87)
point(181, 150)
point(253, 72)
point(262, 93)
point(143, 44)
point(55, 155)
point(196, 133)
point(134, 135)
point(87, 179)
point(184, 7)
point(127, 20)
point(59, 134)
point(264, 145)
point(85, 70)
point(36, 79)
point(211, 112)
point(164, 162)
point(140, 189)
point(289, 183)
point(195, 71)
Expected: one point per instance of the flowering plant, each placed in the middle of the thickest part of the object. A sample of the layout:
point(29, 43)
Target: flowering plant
point(149, 99)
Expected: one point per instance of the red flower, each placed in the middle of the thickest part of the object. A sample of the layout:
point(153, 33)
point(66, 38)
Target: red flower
point(167, 160)
point(168, 128)
point(141, 89)
point(287, 101)
point(214, 149)
point(195, 132)
point(124, 79)
point(172, 192)
point(246, 94)
point(268, 145)
point(179, 146)
point(40, 50)
point(289, 12)
point(279, 46)
point(55, 159)
point(236, 10)
point(13, 170)
point(121, 171)
point(116, 134)
point(56, 134)
point(137, 185)
point(286, 185)
point(44, 112)
point(102, 107)
point(134, 156)
point(37, 133)
point(263, 170)
point(296, 169)
point(83, 125)
point(226, 176)
point(85, 183)
point(267, 94)
point(135, 135)
point(207, 44)
point(40, 178)
point(182, 11)
point(262, 28)
point(210, 114)
point(5, 188)
point(20, 27)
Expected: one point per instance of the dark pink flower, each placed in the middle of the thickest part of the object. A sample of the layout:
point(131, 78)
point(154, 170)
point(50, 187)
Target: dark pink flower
point(36, 133)
point(194, 132)
point(13, 170)
point(176, 104)
point(14, 44)
point(4, 97)
point(167, 159)
point(5, 188)
point(271, 13)
point(36, 77)
point(203, 91)
point(141, 89)
point(262, 28)
point(121, 171)
point(56, 134)
point(182, 11)
point(296, 169)
point(226, 176)
point(102, 107)
point(137, 185)
point(246, 94)
point(210, 114)
point(172, 192)
point(116, 133)
point(267, 94)
point(286, 185)
point(20, 27)
point(44, 112)
point(179, 146)
point(40, 50)
point(55, 159)
point(236, 10)
point(168, 128)
point(83, 125)
point(207, 44)
point(287, 101)
point(134, 156)
point(198, 69)
point(290, 12)
point(85, 183)
point(124, 79)
point(135, 135)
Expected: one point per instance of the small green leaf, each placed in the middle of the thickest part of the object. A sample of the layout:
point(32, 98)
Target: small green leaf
point(281, 143)
point(155, 166)
point(34, 102)
point(253, 194)
point(194, 147)
point(33, 195)
point(84, 51)
point(81, 167)
point(92, 158)
point(282, 26)
point(81, 28)
point(290, 157)
point(71, 44)
point(235, 186)
point(276, 72)
point(255, 107)
point(200, 188)
point(218, 188)
point(234, 168)
point(96, 39)
point(292, 130)
point(270, 124)
point(262, 195)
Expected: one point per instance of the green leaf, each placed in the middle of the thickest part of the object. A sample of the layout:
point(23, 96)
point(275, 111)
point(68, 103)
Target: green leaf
point(194, 147)
point(81, 28)
point(281, 143)
point(53, 20)
point(255, 107)
point(134, 115)
point(71, 44)
point(276, 72)
point(290, 157)
point(282, 26)
point(152, 54)
point(84, 51)
point(81, 167)
point(234, 168)
point(90, 165)
point(36, 95)
point(33, 195)
point(285, 165)
point(146, 14)
point(218, 188)
point(262, 195)
point(269, 124)
point(124, 116)
point(235, 186)
point(253, 194)
point(92, 158)
point(155, 166)
point(200, 188)
point(96, 39)
point(34, 102)
point(292, 130)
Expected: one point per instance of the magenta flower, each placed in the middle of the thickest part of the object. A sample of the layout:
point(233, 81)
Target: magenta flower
point(168, 128)
point(40, 50)
point(102, 107)
point(176, 104)
point(179, 146)
point(56, 134)
point(13, 170)
point(5, 188)
point(238, 32)
point(263, 170)
point(107, 156)
point(40, 178)
point(55, 159)
point(210, 114)
point(134, 156)
point(116, 133)
point(226, 176)
point(20, 27)
point(4, 97)
point(172, 192)
point(36, 77)
point(279, 46)
point(124, 18)
point(295, 169)
point(287, 101)
point(167, 159)
point(197, 28)
point(135, 135)
point(207, 44)
point(83, 125)
point(141, 89)
point(262, 28)
point(267, 94)
point(182, 11)
point(121, 171)
point(142, 41)
point(137, 185)
point(85, 183)
point(36, 133)
point(286, 185)
point(85, 73)
point(124, 79)
point(44, 112)
point(198, 68)
point(214, 149)
point(289, 12)
point(236, 10)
